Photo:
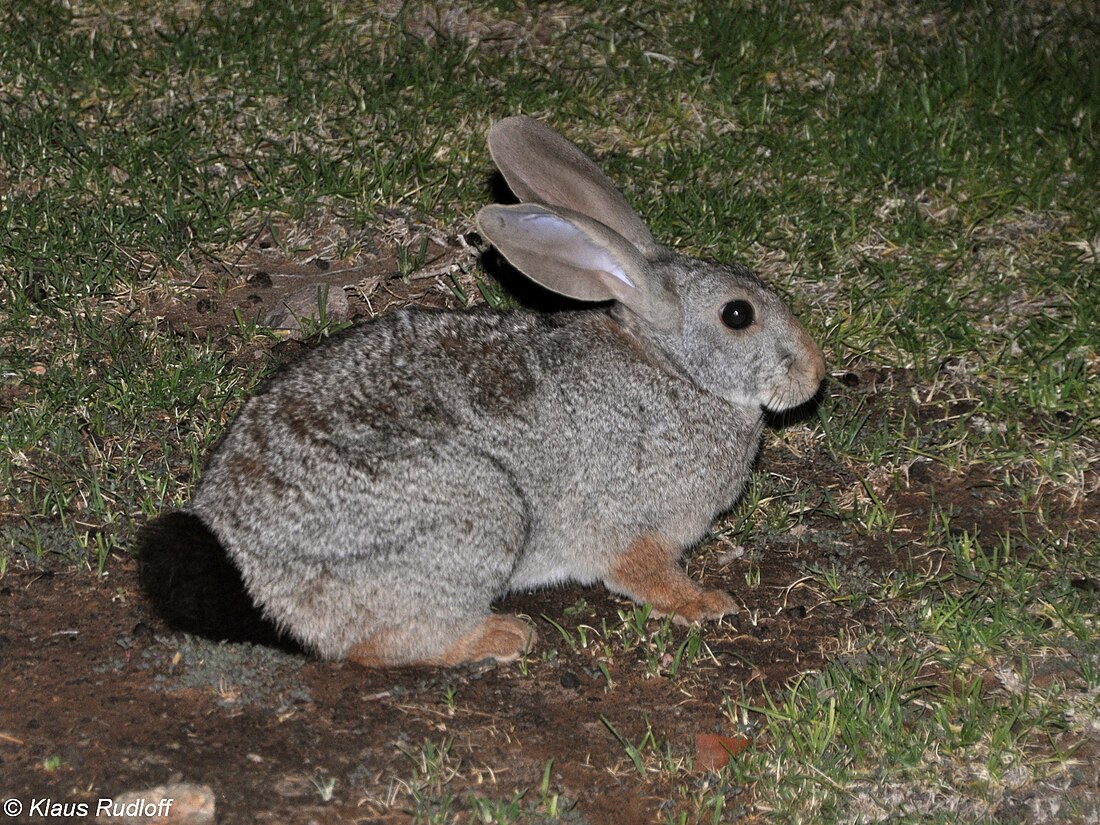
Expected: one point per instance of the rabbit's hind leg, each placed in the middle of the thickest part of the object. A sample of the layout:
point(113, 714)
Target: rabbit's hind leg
point(501, 638)
point(435, 564)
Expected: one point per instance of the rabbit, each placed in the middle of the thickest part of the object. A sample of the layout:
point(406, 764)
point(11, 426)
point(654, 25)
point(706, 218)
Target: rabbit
point(381, 493)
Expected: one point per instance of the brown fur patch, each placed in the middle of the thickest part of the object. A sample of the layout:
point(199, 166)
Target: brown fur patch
point(376, 651)
point(499, 375)
point(503, 638)
point(648, 571)
point(812, 359)
point(253, 470)
point(304, 420)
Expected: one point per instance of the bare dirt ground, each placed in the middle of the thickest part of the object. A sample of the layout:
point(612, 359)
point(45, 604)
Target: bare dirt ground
point(91, 678)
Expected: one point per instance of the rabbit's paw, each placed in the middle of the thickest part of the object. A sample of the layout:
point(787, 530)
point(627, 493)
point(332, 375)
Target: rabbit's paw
point(501, 638)
point(648, 573)
point(706, 605)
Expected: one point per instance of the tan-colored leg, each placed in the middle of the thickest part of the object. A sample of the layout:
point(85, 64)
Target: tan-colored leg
point(649, 572)
point(502, 638)
point(377, 651)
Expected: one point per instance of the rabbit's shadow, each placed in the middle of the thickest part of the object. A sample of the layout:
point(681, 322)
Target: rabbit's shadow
point(804, 413)
point(193, 588)
point(523, 290)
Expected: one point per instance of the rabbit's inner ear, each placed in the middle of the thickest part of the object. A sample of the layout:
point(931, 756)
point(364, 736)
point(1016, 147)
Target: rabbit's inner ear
point(568, 254)
point(578, 257)
point(575, 249)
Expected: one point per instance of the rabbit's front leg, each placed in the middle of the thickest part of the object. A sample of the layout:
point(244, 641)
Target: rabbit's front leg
point(648, 571)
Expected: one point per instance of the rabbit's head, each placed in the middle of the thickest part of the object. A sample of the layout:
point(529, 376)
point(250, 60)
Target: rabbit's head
point(575, 233)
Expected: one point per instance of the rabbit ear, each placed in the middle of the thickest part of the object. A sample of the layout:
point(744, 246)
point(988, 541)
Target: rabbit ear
point(541, 166)
point(578, 257)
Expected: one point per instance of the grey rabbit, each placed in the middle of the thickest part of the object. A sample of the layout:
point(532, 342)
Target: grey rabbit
point(379, 495)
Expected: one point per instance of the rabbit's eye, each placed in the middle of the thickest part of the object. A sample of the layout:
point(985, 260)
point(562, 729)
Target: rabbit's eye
point(737, 314)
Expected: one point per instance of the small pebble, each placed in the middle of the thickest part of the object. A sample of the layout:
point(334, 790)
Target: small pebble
point(190, 805)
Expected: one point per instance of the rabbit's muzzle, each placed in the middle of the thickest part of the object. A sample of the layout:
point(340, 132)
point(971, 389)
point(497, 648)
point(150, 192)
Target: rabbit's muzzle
point(802, 371)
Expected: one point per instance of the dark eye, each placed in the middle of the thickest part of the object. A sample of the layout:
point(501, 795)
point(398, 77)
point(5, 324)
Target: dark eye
point(737, 314)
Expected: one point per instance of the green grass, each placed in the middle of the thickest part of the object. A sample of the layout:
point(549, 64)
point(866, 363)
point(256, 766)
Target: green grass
point(978, 689)
point(922, 181)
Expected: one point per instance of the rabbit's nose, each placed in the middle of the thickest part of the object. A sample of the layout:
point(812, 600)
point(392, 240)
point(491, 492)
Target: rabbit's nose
point(813, 362)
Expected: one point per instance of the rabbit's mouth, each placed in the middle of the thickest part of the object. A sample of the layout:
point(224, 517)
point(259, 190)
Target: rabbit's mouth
point(790, 394)
point(799, 386)
point(794, 387)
